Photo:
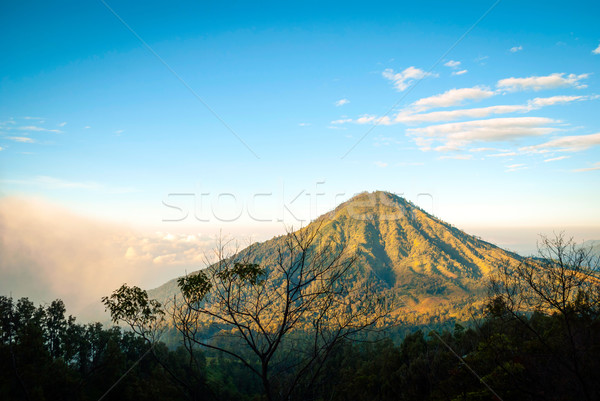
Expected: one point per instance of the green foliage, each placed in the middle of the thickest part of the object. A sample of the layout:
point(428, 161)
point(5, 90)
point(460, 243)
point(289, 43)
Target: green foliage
point(195, 286)
point(131, 304)
point(241, 273)
point(47, 355)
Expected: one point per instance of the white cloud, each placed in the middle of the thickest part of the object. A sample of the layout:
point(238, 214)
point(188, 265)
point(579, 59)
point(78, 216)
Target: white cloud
point(556, 80)
point(38, 129)
point(596, 166)
point(596, 50)
point(381, 164)
point(119, 131)
point(480, 59)
point(367, 119)
point(62, 124)
point(457, 136)
point(461, 72)
point(87, 127)
point(304, 124)
point(456, 157)
point(1, 148)
point(515, 167)
point(342, 121)
point(554, 159)
point(22, 139)
point(453, 97)
point(452, 64)
point(516, 49)
point(485, 150)
point(505, 154)
point(437, 116)
point(539, 102)
point(341, 102)
point(402, 80)
point(573, 143)
point(386, 141)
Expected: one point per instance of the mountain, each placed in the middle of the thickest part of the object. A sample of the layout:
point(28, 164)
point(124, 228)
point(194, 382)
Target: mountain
point(431, 267)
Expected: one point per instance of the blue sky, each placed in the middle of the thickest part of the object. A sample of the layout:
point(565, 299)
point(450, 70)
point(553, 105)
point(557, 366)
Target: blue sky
point(314, 101)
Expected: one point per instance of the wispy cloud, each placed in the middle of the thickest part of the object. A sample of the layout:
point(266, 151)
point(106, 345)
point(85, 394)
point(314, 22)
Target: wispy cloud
point(452, 64)
point(486, 150)
point(456, 157)
point(402, 80)
point(516, 49)
point(596, 50)
point(504, 154)
point(515, 167)
point(381, 140)
point(408, 117)
point(461, 72)
point(457, 136)
point(342, 121)
point(481, 59)
point(539, 102)
point(35, 128)
point(536, 83)
point(381, 164)
point(453, 97)
point(573, 143)
point(62, 124)
point(554, 159)
point(595, 166)
point(342, 102)
point(22, 139)
point(304, 124)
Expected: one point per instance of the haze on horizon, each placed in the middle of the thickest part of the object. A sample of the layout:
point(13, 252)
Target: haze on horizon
point(132, 134)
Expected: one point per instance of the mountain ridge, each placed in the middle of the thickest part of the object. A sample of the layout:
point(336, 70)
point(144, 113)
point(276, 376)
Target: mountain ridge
point(431, 266)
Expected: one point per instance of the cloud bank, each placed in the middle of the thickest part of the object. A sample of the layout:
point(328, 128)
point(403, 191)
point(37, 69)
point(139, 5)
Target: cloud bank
point(49, 253)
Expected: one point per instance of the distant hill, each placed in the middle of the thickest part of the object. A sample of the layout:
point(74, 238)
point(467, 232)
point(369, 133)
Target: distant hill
point(593, 246)
point(433, 269)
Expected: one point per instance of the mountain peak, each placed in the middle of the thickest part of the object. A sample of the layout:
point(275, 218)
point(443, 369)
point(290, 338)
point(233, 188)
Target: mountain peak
point(401, 242)
point(424, 260)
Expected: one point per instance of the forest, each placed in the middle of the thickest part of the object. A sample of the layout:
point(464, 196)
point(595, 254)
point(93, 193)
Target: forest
point(537, 339)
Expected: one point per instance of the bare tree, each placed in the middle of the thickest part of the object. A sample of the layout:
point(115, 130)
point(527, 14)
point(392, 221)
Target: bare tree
point(289, 313)
point(562, 281)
